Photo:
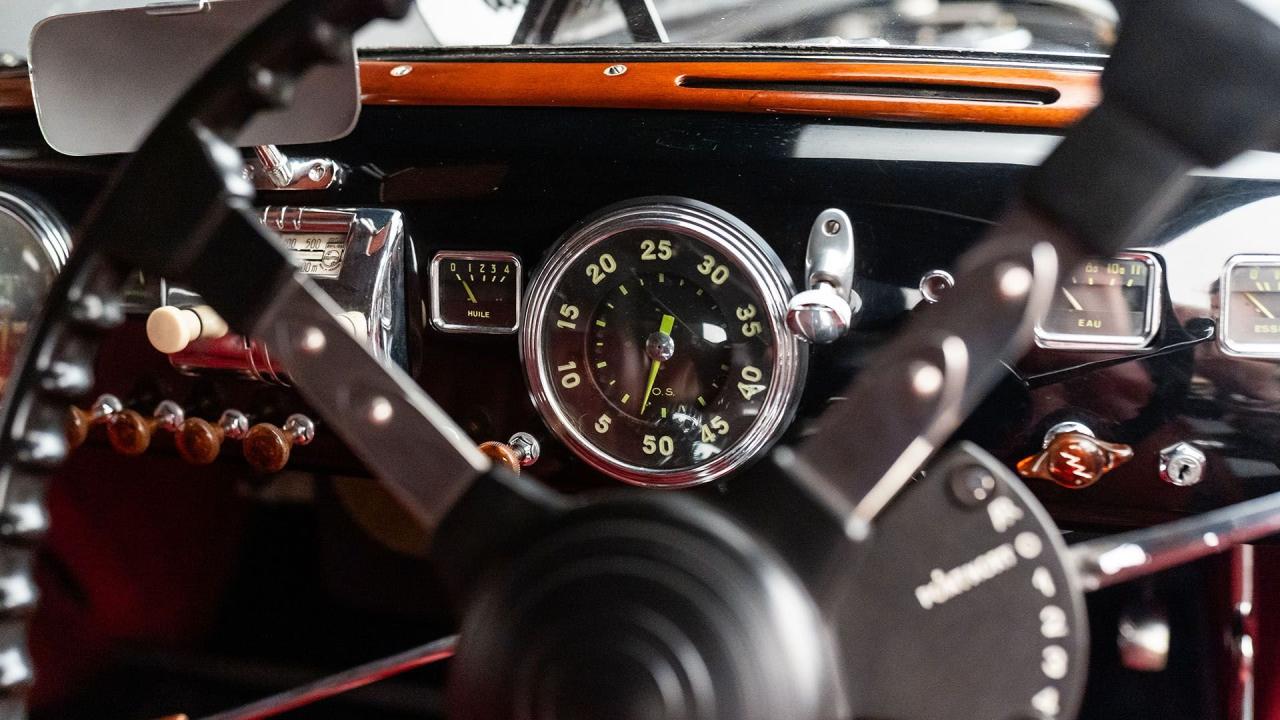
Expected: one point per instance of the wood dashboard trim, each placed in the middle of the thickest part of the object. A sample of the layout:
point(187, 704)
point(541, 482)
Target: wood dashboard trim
point(816, 88)
point(15, 92)
point(784, 87)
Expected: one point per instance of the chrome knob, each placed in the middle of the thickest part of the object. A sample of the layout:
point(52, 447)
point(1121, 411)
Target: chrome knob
point(527, 448)
point(820, 315)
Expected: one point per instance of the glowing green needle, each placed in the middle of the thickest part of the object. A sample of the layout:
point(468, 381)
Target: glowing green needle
point(668, 322)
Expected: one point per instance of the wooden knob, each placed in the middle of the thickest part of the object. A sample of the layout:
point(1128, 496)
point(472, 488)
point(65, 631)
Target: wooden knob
point(502, 454)
point(171, 329)
point(130, 432)
point(199, 441)
point(1074, 459)
point(79, 422)
point(267, 447)
point(77, 426)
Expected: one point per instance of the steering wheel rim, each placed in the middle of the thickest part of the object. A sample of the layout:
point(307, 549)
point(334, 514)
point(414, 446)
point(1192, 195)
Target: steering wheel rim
point(56, 361)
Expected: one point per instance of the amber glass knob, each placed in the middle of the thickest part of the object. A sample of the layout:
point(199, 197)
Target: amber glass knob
point(130, 433)
point(200, 441)
point(267, 447)
point(1073, 458)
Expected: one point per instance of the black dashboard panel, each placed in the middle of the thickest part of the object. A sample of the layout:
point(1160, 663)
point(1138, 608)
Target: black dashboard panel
point(516, 180)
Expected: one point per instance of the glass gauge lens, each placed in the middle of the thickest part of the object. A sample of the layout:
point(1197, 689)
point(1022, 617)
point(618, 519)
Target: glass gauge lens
point(1105, 304)
point(656, 344)
point(1251, 305)
point(476, 292)
point(320, 254)
point(33, 248)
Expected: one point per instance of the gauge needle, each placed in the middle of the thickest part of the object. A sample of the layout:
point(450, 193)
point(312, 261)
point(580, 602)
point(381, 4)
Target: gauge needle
point(1072, 299)
point(668, 322)
point(470, 295)
point(1258, 304)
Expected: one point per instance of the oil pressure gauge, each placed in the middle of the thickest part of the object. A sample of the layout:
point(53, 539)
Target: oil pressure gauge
point(1251, 306)
point(1108, 303)
point(475, 292)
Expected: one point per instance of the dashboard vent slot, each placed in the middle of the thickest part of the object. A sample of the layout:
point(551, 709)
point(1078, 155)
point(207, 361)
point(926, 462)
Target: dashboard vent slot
point(895, 90)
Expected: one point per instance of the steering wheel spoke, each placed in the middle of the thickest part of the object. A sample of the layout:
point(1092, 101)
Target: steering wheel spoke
point(401, 434)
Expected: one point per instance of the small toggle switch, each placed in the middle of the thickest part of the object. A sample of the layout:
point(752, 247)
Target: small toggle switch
point(79, 422)
point(1074, 457)
point(200, 441)
point(267, 447)
point(520, 451)
point(130, 433)
point(171, 329)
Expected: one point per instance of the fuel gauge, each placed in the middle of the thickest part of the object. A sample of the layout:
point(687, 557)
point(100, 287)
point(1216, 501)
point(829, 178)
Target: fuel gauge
point(1251, 306)
point(475, 292)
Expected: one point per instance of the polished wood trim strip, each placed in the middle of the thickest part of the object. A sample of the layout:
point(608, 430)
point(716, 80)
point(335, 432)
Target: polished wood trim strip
point(662, 86)
point(15, 92)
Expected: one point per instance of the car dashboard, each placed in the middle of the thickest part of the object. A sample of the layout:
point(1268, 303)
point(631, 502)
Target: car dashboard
point(609, 291)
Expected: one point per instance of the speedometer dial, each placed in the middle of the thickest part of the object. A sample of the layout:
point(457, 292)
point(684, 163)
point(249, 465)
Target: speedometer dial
point(656, 345)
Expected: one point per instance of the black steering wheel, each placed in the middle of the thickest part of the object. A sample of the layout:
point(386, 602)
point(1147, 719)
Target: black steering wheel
point(830, 585)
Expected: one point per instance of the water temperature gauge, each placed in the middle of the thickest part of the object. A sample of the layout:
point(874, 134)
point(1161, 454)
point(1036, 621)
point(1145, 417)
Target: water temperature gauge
point(1105, 304)
point(475, 292)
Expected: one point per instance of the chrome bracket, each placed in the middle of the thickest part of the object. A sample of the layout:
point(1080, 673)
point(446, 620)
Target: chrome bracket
point(271, 169)
point(824, 311)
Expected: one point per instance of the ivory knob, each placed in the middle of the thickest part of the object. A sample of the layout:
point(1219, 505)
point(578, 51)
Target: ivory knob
point(355, 323)
point(171, 329)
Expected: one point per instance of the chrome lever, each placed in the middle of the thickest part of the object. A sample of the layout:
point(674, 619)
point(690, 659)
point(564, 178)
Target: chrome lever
point(823, 312)
point(275, 170)
point(1119, 558)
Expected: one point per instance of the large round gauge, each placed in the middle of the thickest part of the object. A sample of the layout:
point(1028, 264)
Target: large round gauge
point(656, 346)
point(34, 245)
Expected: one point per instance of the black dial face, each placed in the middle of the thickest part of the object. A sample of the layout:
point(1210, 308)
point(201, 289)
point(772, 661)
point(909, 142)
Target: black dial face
point(658, 354)
point(1251, 303)
point(475, 292)
point(1103, 302)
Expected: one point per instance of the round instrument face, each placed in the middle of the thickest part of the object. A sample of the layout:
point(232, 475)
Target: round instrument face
point(656, 345)
point(33, 248)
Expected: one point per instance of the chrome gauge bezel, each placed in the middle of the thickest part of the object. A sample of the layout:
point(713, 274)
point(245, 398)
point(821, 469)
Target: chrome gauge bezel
point(437, 319)
point(1151, 323)
point(1258, 351)
point(44, 225)
point(768, 279)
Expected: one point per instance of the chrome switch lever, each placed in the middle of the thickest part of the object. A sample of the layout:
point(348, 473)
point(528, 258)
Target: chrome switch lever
point(823, 312)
